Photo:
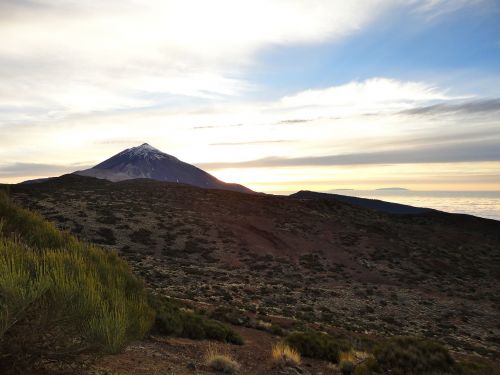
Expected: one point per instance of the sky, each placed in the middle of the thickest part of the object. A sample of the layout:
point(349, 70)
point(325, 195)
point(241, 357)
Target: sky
point(278, 95)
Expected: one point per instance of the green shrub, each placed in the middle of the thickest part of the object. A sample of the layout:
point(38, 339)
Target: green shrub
point(60, 295)
point(477, 367)
point(413, 356)
point(31, 228)
point(365, 368)
point(171, 319)
point(318, 345)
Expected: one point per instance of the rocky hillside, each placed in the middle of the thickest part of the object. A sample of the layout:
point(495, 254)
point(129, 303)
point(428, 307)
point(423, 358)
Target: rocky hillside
point(285, 259)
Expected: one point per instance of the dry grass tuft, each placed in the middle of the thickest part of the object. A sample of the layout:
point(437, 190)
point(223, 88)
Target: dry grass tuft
point(349, 360)
point(281, 352)
point(219, 361)
point(348, 356)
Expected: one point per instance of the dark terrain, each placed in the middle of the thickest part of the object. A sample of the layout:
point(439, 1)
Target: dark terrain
point(290, 261)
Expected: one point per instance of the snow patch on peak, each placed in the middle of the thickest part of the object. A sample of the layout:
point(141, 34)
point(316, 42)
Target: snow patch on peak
point(146, 151)
point(148, 147)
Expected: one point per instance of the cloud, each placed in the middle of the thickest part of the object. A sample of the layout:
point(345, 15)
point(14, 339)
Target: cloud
point(217, 126)
point(435, 8)
point(37, 169)
point(294, 121)
point(86, 56)
point(490, 106)
point(81, 74)
point(462, 152)
point(122, 54)
point(378, 94)
point(252, 142)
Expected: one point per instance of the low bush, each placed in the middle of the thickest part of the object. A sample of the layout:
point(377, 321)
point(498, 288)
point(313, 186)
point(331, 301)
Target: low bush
point(172, 319)
point(318, 345)
point(413, 356)
point(477, 367)
point(60, 295)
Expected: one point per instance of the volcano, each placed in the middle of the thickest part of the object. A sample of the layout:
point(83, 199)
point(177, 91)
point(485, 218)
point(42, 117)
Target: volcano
point(146, 161)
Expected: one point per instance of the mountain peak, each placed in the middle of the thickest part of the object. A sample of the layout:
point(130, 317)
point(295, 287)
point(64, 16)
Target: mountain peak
point(146, 161)
point(147, 146)
point(145, 151)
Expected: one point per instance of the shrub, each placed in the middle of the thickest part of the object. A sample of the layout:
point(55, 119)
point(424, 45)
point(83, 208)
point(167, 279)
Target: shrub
point(107, 236)
point(282, 353)
point(60, 295)
point(171, 319)
point(318, 345)
point(142, 236)
point(477, 367)
point(221, 362)
point(365, 368)
point(412, 356)
point(276, 330)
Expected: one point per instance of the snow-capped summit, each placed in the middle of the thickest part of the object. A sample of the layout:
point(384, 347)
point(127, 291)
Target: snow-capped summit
point(145, 151)
point(146, 161)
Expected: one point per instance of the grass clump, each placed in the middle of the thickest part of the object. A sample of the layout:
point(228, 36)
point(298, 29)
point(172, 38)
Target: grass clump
point(60, 295)
point(172, 319)
point(318, 345)
point(282, 353)
point(221, 362)
point(347, 362)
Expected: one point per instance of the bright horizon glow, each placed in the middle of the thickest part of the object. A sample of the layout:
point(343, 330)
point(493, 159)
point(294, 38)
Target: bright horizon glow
point(279, 96)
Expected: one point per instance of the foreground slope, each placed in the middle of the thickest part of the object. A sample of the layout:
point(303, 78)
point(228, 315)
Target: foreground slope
point(322, 261)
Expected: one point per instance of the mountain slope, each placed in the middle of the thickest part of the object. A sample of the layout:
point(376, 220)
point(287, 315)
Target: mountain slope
point(145, 161)
point(374, 204)
point(433, 274)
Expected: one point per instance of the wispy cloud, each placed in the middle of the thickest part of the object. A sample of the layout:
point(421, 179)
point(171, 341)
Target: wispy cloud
point(37, 169)
point(477, 106)
point(373, 95)
point(436, 8)
point(217, 126)
point(463, 152)
point(243, 143)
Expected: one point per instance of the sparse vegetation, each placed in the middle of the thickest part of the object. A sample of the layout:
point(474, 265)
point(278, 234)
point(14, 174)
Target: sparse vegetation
point(410, 356)
point(317, 345)
point(347, 362)
point(284, 354)
point(243, 269)
point(60, 295)
point(171, 319)
point(221, 362)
